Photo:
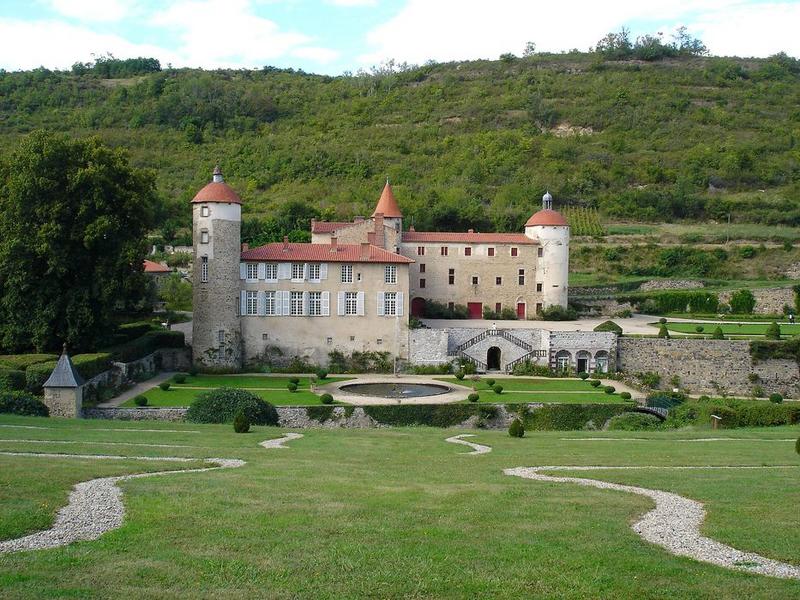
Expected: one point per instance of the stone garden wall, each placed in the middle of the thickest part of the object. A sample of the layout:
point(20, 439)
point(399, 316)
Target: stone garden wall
point(428, 346)
point(769, 301)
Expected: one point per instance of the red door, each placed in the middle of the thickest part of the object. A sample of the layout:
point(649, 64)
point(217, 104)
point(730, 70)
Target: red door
point(520, 310)
point(418, 307)
point(475, 310)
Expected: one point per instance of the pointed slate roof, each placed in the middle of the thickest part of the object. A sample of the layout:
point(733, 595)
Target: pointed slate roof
point(387, 205)
point(64, 375)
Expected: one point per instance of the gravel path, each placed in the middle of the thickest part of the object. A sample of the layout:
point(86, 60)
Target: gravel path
point(95, 506)
point(476, 448)
point(279, 442)
point(674, 524)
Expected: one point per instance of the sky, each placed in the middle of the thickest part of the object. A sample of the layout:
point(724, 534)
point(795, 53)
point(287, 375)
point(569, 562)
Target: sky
point(334, 36)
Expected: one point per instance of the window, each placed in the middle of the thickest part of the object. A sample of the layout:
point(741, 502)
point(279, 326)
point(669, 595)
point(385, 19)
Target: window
point(347, 273)
point(540, 252)
point(351, 303)
point(422, 283)
point(443, 250)
point(490, 251)
point(468, 251)
point(422, 268)
point(269, 304)
point(313, 272)
point(451, 276)
point(420, 250)
point(379, 341)
point(204, 236)
point(271, 271)
point(498, 281)
point(204, 269)
point(390, 304)
point(498, 307)
point(390, 274)
point(358, 276)
point(513, 252)
point(298, 270)
point(251, 303)
point(221, 336)
point(538, 287)
point(521, 276)
point(474, 280)
point(329, 341)
point(296, 303)
point(264, 336)
point(315, 304)
point(204, 211)
point(538, 308)
point(252, 271)
point(352, 338)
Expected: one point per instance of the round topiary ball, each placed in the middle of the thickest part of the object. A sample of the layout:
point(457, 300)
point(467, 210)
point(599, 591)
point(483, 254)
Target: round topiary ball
point(490, 382)
point(498, 389)
point(140, 400)
point(322, 374)
point(583, 375)
point(473, 397)
point(241, 423)
point(326, 399)
point(179, 378)
point(609, 389)
point(699, 329)
point(459, 375)
point(625, 395)
point(662, 320)
point(776, 398)
point(595, 383)
point(516, 429)
point(294, 380)
point(164, 385)
point(291, 386)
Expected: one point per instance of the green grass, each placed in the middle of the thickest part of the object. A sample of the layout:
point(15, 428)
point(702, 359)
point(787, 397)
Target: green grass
point(357, 513)
point(530, 389)
point(734, 329)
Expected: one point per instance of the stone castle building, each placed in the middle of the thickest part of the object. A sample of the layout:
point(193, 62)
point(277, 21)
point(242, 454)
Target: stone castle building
point(354, 286)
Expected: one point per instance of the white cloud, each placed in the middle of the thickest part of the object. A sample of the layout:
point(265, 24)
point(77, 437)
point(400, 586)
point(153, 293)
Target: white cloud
point(467, 29)
point(319, 55)
point(353, 2)
point(56, 45)
point(93, 10)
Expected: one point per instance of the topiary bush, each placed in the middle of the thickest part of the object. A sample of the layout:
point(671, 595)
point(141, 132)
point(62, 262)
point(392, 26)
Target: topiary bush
point(566, 417)
point(473, 397)
point(431, 415)
point(322, 374)
point(609, 389)
point(140, 400)
point(164, 385)
point(663, 332)
point(490, 382)
point(179, 378)
point(583, 375)
point(699, 329)
point(241, 424)
point(292, 387)
point(22, 403)
point(459, 374)
point(775, 398)
point(497, 388)
point(595, 383)
point(625, 395)
point(717, 334)
point(662, 321)
point(773, 331)
point(516, 429)
point(294, 380)
point(633, 421)
point(326, 399)
point(222, 404)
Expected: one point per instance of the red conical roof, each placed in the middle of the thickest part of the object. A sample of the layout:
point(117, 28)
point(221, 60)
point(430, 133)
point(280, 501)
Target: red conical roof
point(547, 216)
point(387, 205)
point(217, 191)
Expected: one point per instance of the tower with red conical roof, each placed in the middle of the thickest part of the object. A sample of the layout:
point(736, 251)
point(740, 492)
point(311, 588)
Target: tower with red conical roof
point(389, 208)
point(551, 229)
point(216, 233)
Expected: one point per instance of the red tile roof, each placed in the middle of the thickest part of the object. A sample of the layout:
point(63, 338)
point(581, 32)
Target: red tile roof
point(387, 204)
point(547, 216)
point(217, 192)
point(467, 238)
point(322, 253)
point(154, 267)
point(328, 226)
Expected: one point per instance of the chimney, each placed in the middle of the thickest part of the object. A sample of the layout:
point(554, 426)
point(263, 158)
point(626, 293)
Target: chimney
point(371, 238)
point(379, 232)
point(286, 243)
point(365, 250)
point(334, 244)
point(245, 246)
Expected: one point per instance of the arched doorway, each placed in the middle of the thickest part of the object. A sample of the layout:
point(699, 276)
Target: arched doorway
point(563, 360)
point(601, 362)
point(417, 307)
point(583, 358)
point(493, 359)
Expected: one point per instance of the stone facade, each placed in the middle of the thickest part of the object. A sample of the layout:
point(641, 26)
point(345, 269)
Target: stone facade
point(670, 284)
point(583, 351)
point(64, 402)
point(429, 346)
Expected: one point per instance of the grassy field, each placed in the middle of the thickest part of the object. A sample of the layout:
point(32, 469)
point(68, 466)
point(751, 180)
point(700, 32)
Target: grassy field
point(530, 389)
point(270, 388)
point(357, 513)
point(734, 329)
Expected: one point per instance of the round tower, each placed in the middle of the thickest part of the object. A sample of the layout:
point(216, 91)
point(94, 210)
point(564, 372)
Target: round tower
point(389, 208)
point(551, 230)
point(216, 235)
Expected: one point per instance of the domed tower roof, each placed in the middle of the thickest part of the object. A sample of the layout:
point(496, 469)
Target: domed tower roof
point(217, 191)
point(387, 204)
point(547, 217)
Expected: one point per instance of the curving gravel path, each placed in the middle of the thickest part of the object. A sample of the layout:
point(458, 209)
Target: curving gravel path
point(95, 506)
point(674, 524)
point(279, 442)
point(476, 448)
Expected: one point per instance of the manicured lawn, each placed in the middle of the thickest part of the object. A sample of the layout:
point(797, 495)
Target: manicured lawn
point(542, 384)
point(534, 389)
point(563, 398)
point(271, 389)
point(394, 513)
point(732, 328)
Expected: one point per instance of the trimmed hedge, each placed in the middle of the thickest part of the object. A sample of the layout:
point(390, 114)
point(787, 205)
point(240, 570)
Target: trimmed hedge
point(565, 417)
point(609, 326)
point(734, 413)
point(221, 406)
point(432, 415)
point(23, 361)
point(12, 380)
point(88, 365)
point(674, 301)
point(22, 403)
point(147, 344)
point(633, 421)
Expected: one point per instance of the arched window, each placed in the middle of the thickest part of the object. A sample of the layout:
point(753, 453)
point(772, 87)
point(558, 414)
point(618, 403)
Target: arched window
point(563, 360)
point(601, 362)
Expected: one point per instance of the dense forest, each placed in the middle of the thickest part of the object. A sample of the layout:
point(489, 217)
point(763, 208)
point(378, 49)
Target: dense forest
point(469, 144)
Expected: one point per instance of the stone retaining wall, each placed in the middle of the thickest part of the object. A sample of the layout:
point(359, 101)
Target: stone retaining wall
point(136, 414)
point(769, 301)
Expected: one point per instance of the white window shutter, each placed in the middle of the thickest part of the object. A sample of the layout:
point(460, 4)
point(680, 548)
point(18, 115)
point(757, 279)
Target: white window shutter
point(305, 303)
point(262, 303)
point(381, 308)
point(242, 270)
point(285, 302)
point(284, 270)
point(262, 271)
point(242, 303)
point(323, 271)
point(326, 304)
point(340, 304)
point(399, 304)
point(360, 304)
point(305, 271)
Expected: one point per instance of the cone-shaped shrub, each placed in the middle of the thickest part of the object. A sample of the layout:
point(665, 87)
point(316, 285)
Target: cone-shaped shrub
point(517, 429)
point(241, 424)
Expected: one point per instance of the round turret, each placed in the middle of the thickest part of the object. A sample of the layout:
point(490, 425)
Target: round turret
point(551, 230)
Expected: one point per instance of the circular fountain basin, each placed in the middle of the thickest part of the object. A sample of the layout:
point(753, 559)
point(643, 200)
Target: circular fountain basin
point(395, 390)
